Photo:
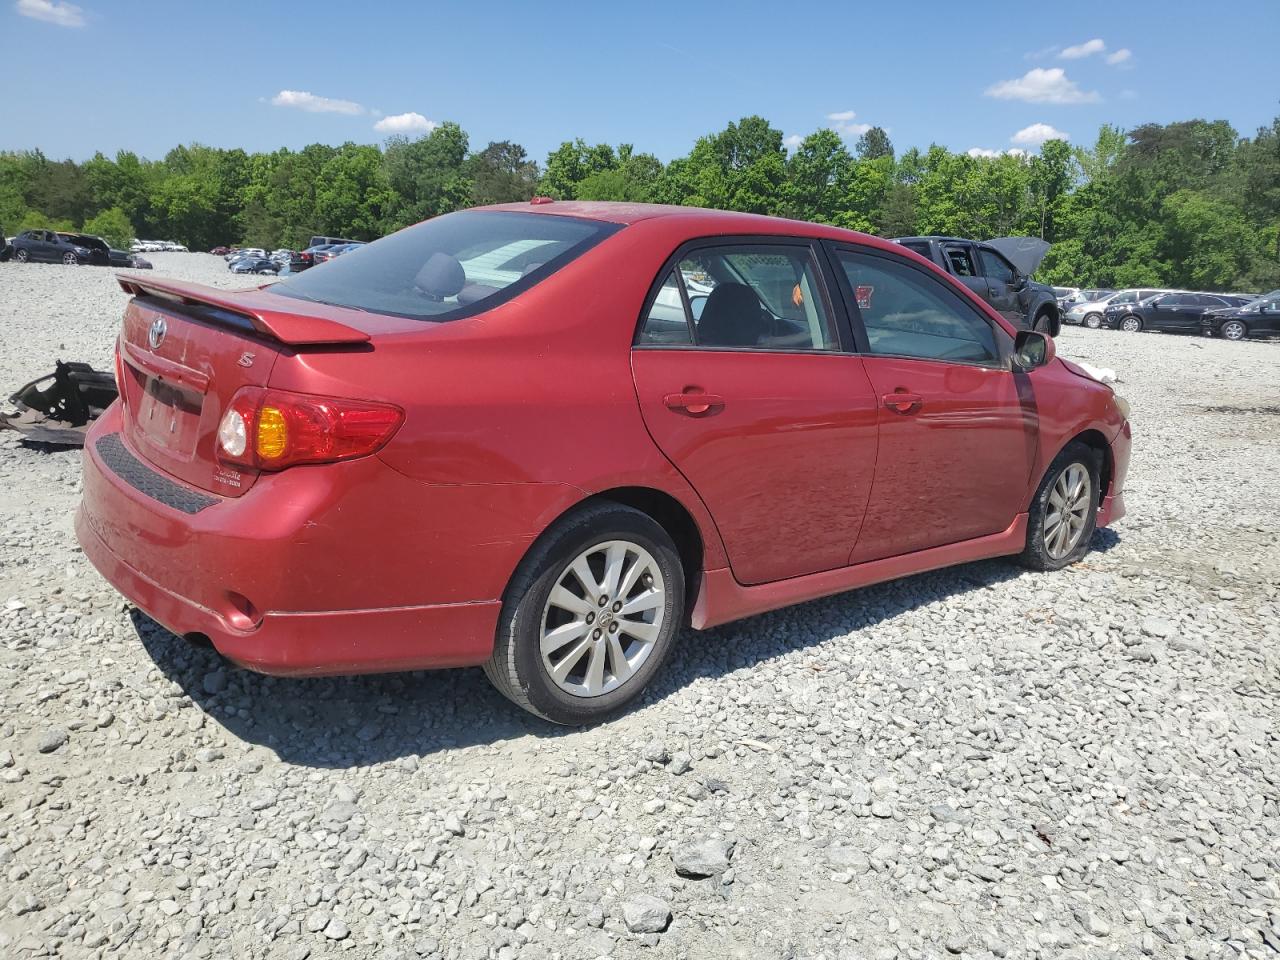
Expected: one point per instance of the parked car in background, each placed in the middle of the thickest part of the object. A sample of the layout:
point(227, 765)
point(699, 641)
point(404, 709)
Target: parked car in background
point(255, 265)
point(358, 469)
point(49, 246)
point(999, 271)
point(1088, 308)
point(301, 260)
point(1094, 315)
point(1259, 317)
point(1177, 312)
point(1065, 295)
point(220, 251)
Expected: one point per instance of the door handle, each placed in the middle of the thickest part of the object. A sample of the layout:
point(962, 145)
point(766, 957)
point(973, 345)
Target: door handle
point(694, 403)
point(903, 402)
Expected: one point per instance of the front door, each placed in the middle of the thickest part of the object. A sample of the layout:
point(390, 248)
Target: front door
point(744, 386)
point(1001, 280)
point(957, 425)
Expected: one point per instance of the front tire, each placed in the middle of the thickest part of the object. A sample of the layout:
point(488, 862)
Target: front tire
point(590, 616)
point(1131, 325)
point(1093, 320)
point(22, 256)
point(71, 260)
point(1064, 511)
point(1234, 330)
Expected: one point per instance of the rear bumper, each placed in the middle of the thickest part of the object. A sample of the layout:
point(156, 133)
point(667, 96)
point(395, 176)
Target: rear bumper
point(315, 643)
point(345, 568)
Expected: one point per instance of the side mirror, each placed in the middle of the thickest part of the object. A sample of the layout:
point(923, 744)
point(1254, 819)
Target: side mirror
point(1032, 349)
point(1019, 282)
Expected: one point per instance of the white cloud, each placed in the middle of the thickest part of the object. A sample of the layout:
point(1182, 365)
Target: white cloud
point(1120, 56)
point(405, 123)
point(842, 123)
point(1042, 85)
point(1037, 134)
point(301, 100)
point(50, 11)
point(793, 141)
point(1081, 50)
point(983, 152)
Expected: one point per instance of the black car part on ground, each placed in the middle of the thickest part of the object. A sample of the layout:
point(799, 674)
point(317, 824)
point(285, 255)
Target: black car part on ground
point(58, 407)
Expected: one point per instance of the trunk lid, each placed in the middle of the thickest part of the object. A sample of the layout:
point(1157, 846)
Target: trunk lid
point(185, 350)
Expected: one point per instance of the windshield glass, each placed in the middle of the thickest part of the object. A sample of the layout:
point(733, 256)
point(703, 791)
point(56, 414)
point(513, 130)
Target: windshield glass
point(449, 267)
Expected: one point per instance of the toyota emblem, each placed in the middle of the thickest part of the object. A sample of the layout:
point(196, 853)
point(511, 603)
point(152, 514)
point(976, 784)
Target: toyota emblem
point(155, 336)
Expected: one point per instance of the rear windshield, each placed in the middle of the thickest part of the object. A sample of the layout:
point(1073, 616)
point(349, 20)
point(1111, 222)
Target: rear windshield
point(449, 267)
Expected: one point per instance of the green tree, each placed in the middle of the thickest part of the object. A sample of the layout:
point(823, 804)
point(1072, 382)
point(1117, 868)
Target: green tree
point(112, 226)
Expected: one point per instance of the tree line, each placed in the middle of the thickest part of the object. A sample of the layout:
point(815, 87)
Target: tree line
point(1189, 204)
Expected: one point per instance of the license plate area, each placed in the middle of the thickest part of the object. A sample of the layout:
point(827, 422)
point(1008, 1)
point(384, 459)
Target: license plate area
point(169, 416)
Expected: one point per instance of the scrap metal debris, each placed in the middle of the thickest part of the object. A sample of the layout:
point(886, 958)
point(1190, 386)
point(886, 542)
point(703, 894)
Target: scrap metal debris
point(58, 408)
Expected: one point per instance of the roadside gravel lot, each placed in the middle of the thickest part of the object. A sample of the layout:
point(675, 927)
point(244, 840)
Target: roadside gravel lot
point(977, 762)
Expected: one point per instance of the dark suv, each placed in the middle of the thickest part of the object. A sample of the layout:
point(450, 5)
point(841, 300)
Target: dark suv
point(1178, 312)
point(48, 246)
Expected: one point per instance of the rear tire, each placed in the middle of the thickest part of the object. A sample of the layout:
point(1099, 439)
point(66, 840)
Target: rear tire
point(1064, 511)
point(1234, 330)
point(71, 260)
point(1093, 320)
point(603, 644)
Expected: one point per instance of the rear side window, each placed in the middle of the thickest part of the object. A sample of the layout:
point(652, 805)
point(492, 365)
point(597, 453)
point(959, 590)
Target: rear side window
point(748, 296)
point(961, 261)
point(449, 267)
point(907, 313)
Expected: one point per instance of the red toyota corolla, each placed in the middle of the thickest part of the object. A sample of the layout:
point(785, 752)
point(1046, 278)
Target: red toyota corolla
point(543, 437)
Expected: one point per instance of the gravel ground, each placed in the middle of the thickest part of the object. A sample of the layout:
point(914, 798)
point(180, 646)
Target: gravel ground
point(976, 762)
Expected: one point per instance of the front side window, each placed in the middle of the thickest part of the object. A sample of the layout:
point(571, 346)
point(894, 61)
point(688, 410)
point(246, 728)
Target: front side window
point(995, 266)
point(907, 313)
point(448, 267)
point(749, 296)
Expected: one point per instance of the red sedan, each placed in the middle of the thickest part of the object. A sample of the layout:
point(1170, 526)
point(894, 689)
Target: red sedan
point(544, 437)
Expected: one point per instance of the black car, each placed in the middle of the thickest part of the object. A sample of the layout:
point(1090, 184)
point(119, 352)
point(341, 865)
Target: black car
point(1256, 318)
point(1171, 312)
point(255, 265)
point(50, 246)
point(999, 271)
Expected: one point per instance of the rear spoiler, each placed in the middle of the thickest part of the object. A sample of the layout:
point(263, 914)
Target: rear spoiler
point(293, 328)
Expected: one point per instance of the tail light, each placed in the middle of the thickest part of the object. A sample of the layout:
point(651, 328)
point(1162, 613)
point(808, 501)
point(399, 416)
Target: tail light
point(273, 429)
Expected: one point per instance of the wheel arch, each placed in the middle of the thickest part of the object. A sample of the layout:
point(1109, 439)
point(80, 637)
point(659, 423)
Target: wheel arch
point(663, 508)
point(1095, 440)
point(1049, 308)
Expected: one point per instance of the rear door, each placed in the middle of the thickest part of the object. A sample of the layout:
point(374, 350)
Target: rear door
point(745, 385)
point(962, 264)
point(958, 432)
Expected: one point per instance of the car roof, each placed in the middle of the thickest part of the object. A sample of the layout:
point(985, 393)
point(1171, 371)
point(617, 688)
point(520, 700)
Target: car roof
point(699, 220)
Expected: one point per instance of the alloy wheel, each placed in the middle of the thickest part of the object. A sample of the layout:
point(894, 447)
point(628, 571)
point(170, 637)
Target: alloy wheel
point(1233, 330)
point(22, 256)
point(603, 618)
point(70, 260)
point(1093, 321)
point(1067, 512)
point(1131, 324)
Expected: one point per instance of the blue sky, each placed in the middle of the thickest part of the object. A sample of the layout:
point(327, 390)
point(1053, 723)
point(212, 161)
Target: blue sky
point(145, 75)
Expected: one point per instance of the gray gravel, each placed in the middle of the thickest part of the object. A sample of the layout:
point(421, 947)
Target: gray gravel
point(976, 762)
